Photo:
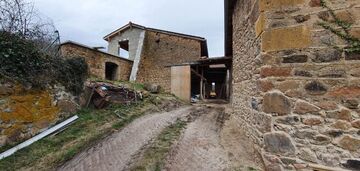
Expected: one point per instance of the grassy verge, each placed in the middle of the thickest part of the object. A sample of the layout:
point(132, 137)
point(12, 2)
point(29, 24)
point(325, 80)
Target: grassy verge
point(91, 127)
point(154, 156)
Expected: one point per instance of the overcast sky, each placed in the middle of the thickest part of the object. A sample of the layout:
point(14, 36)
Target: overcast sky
point(88, 21)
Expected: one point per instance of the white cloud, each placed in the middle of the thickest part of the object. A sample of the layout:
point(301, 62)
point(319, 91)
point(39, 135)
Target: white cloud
point(87, 21)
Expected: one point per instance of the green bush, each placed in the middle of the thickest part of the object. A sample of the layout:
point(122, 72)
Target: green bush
point(22, 61)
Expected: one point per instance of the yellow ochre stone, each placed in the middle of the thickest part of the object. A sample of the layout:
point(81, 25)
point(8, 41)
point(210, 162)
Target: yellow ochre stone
point(276, 4)
point(27, 108)
point(286, 38)
point(260, 25)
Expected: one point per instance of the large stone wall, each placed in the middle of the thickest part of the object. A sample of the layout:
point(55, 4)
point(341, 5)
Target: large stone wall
point(297, 97)
point(96, 60)
point(26, 112)
point(161, 50)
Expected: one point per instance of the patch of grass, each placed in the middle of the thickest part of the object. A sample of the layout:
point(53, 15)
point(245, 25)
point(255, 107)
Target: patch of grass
point(91, 127)
point(154, 156)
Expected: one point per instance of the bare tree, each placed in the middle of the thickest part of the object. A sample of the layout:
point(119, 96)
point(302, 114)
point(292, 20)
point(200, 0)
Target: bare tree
point(21, 17)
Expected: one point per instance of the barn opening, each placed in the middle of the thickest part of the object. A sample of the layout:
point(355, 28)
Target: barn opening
point(209, 79)
point(111, 70)
point(124, 49)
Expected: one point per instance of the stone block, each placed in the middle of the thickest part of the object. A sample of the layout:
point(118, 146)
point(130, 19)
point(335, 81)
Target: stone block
point(315, 88)
point(295, 59)
point(303, 107)
point(315, 3)
point(288, 85)
point(332, 72)
point(279, 143)
point(312, 121)
point(302, 18)
point(343, 114)
point(351, 103)
point(356, 124)
point(305, 134)
point(276, 102)
point(349, 143)
point(321, 140)
point(288, 120)
point(326, 55)
point(355, 32)
point(352, 56)
point(355, 72)
point(345, 16)
point(265, 85)
point(345, 92)
point(260, 24)
point(67, 106)
point(286, 38)
point(275, 72)
point(307, 155)
point(352, 164)
point(266, 5)
point(343, 125)
point(302, 73)
point(327, 105)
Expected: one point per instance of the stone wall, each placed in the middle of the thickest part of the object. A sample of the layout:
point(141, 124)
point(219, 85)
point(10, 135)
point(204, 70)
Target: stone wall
point(161, 50)
point(26, 112)
point(96, 60)
point(297, 97)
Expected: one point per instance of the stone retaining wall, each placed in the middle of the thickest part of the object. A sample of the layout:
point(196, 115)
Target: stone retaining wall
point(297, 97)
point(25, 113)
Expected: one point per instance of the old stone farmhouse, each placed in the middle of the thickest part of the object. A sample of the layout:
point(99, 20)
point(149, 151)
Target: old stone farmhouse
point(138, 53)
point(295, 96)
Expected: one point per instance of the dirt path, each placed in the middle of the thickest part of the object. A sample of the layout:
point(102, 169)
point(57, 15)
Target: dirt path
point(200, 147)
point(115, 152)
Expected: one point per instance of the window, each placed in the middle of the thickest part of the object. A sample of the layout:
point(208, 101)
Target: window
point(124, 49)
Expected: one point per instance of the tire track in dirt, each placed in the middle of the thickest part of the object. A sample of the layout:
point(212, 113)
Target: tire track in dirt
point(200, 147)
point(116, 151)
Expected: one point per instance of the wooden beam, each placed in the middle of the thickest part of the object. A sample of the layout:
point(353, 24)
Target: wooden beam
point(197, 74)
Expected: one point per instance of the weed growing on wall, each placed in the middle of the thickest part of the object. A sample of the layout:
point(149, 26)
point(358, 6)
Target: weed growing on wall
point(21, 60)
point(341, 29)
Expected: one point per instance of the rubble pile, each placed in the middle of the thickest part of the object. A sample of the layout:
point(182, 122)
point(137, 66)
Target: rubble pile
point(103, 94)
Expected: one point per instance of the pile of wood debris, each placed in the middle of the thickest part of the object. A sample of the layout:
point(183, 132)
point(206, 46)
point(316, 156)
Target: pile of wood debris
point(102, 94)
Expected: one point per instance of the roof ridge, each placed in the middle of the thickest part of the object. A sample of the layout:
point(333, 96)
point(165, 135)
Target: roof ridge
point(131, 24)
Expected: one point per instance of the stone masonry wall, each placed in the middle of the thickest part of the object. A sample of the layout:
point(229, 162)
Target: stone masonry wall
point(297, 96)
point(25, 112)
point(161, 50)
point(96, 60)
point(246, 49)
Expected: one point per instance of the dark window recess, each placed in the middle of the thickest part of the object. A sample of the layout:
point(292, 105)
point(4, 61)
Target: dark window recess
point(124, 49)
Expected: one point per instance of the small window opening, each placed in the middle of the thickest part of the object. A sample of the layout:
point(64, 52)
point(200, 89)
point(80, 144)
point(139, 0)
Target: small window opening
point(111, 70)
point(124, 49)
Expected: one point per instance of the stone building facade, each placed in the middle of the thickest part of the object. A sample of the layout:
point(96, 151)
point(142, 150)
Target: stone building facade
point(295, 95)
point(98, 61)
point(151, 50)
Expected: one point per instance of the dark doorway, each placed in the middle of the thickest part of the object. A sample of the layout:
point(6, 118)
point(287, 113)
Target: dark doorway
point(111, 70)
